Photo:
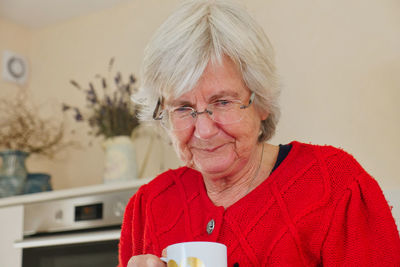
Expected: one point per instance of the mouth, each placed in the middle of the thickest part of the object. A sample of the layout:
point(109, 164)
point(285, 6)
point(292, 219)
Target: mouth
point(208, 149)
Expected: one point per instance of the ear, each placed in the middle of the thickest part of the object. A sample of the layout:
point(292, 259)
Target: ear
point(263, 114)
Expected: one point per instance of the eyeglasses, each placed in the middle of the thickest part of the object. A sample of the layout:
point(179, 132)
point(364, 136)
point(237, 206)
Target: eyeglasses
point(222, 111)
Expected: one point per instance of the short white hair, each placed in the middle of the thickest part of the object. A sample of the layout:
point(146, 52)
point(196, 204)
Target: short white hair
point(198, 32)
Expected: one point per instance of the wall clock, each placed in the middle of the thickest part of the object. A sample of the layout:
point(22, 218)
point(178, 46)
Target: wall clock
point(15, 67)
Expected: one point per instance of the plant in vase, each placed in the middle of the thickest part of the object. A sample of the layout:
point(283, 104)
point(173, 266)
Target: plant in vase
point(25, 131)
point(111, 115)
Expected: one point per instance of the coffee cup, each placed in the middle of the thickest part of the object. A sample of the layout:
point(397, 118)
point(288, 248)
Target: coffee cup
point(196, 254)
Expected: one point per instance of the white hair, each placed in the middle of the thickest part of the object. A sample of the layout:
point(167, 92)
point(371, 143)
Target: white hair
point(198, 32)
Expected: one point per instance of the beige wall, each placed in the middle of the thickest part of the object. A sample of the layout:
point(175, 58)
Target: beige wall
point(340, 65)
point(17, 39)
point(339, 62)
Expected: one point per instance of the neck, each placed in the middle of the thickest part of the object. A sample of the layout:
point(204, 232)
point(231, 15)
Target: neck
point(227, 190)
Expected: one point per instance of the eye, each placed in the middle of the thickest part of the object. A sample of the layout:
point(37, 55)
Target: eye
point(183, 111)
point(222, 103)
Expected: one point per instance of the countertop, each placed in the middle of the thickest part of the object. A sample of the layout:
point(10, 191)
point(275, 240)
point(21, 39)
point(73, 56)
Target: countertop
point(72, 192)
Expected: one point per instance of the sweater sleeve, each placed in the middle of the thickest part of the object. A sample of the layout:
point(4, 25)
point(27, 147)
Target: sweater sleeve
point(132, 241)
point(362, 231)
point(125, 241)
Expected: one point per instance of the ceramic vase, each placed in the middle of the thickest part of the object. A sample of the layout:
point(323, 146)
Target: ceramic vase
point(37, 182)
point(12, 172)
point(120, 159)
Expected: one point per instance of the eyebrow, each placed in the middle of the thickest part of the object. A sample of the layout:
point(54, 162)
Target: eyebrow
point(180, 103)
point(223, 94)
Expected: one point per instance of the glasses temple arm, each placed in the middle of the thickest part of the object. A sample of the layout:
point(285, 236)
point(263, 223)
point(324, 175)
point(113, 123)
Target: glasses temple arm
point(157, 116)
point(251, 100)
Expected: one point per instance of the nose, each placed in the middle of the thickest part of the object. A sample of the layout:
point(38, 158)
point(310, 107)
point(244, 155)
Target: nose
point(205, 127)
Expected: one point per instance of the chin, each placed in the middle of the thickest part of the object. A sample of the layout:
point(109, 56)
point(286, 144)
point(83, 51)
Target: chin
point(213, 165)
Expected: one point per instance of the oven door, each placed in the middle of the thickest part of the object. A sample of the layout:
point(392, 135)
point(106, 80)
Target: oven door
point(79, 249)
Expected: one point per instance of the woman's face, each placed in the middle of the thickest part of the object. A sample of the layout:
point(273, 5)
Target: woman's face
point(208, 146)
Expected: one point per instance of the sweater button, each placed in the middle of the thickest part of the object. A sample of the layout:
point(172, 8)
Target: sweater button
point(210, 226)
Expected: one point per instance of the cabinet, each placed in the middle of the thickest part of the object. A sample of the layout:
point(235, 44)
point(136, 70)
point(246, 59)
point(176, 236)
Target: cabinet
point(12, 214)
point(11, 229)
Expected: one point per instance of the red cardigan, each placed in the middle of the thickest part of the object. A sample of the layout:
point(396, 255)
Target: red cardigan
point(319, 207)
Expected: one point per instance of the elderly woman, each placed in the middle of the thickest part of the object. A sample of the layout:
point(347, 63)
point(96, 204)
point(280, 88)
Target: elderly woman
point(209, 79)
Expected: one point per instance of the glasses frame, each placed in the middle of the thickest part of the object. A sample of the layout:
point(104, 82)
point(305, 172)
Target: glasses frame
point(158, 114)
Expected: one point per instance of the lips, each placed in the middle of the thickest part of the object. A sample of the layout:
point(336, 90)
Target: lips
point(207, 148)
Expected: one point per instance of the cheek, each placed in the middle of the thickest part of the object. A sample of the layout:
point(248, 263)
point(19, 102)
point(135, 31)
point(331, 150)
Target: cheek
point(246, 137)
point(245, 131)
point(180, 141)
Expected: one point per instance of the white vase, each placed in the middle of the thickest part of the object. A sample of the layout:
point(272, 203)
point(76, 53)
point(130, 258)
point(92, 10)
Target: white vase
point(120, 159)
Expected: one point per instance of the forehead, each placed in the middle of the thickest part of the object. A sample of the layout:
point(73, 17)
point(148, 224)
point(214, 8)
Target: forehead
point(218, 79)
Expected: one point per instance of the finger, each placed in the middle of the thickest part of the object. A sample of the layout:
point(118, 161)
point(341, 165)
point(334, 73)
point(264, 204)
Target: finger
point(145, 260)
point(164, 253)
point(130, 262)
point(154, 262)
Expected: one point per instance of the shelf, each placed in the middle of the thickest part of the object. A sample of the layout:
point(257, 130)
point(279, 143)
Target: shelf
point(72, 192)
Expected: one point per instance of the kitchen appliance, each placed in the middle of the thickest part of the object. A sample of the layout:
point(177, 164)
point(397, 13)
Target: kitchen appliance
point(76, 231)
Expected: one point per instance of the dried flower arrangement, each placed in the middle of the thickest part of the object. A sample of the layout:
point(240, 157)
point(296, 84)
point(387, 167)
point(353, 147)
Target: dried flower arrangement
point(110, 110)
point(23, 128)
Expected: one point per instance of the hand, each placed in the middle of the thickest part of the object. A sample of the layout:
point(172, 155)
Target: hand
point(147, 260)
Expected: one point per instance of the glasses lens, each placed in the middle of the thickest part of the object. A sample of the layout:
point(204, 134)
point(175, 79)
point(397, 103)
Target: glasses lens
point(226, 112)
point(222, 112)
point(181, 118)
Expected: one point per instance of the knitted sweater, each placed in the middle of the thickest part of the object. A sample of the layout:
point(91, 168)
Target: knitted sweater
point(319, 207)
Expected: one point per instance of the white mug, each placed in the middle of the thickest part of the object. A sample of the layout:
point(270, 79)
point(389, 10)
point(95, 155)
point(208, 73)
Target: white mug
point(196, 254)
